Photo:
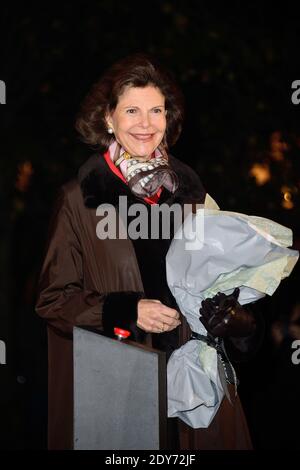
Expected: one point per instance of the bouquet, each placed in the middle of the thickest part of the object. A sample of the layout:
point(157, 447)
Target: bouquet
point(233, 250)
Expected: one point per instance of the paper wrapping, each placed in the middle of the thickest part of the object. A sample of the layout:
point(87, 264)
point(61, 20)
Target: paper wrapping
point(232, 250)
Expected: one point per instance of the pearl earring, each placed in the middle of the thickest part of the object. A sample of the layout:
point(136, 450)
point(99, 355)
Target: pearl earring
point(110, 130)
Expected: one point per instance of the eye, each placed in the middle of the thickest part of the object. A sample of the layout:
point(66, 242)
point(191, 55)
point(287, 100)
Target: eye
point(157, 110)
point(131, 111)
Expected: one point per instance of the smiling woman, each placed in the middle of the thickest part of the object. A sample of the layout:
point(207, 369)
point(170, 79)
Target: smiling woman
point(139, 125)
point(132, 115)
point(139, 120)
point(123, 81)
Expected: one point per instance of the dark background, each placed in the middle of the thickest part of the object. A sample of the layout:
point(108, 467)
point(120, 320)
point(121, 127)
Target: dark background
point(235, 64)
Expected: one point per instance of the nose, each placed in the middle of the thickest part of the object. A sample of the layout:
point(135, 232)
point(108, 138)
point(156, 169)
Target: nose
point(145, 120)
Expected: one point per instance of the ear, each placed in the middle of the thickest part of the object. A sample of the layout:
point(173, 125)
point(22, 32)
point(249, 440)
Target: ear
point(108, 119)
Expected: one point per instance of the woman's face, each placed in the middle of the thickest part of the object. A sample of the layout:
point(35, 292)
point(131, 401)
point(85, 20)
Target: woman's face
point(139, 120)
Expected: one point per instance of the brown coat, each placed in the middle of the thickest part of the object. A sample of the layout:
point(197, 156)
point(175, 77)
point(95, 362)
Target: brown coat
point(80, 271)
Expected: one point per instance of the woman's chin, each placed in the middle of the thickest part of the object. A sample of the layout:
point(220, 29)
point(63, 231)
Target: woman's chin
point(142, 151)
point(141, 148)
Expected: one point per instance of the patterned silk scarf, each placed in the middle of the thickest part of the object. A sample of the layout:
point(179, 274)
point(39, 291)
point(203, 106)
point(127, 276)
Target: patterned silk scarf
point(145, 175)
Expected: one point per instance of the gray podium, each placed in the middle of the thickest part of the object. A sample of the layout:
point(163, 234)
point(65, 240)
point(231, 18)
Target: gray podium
point(119, 394)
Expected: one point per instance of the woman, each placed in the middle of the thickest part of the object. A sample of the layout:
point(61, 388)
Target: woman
point(132, 115)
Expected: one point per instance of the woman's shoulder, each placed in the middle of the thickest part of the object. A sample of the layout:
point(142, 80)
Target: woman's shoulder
point(90, 165)
point(187, 174)
point(183, 168)
point(71, 190)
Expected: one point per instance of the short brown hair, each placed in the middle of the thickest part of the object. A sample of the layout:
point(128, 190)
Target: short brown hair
point(137, 70)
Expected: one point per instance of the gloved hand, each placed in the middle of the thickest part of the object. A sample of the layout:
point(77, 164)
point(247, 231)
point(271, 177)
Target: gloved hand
point(223, 316)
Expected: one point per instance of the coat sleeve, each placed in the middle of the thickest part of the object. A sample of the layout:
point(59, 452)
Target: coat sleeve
point(61, 298)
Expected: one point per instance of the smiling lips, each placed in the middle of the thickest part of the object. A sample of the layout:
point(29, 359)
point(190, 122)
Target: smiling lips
point(143, 137)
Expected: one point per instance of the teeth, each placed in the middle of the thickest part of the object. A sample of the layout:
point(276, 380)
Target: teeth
point(143, 137)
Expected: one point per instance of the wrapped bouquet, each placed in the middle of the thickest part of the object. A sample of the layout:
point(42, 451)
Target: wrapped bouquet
point(233, 250)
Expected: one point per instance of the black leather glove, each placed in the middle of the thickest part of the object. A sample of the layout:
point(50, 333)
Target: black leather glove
point(223, 316)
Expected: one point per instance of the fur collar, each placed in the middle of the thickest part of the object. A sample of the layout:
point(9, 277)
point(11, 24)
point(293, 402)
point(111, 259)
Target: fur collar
point(100, 185)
